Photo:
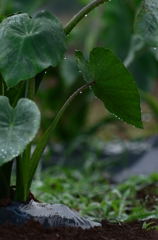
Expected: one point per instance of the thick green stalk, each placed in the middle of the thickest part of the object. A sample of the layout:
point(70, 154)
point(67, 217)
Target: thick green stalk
point(22, 162)
point(21, 188)
point(81, 14)
point(31, 88)
point(20, 94)
point(2, 89)
point(4, 187)
point(36, 156)
point(5, 178)
point(1, 86)
point(7, 169)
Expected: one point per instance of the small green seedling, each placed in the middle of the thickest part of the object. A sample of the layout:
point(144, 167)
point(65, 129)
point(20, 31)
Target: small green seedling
point(28, 46)
point(148, 226)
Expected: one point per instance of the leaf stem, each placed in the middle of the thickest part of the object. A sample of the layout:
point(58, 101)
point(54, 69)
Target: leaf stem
point(31, 89)
point(81, 14)
point(46, 136)
point(22, 161)
point(2, 89)
point(20, 94)
point(4, 187)
point(56, 120)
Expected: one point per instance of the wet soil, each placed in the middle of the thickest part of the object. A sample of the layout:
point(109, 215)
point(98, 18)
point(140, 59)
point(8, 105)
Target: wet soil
point(108, 231)
point(34, 230)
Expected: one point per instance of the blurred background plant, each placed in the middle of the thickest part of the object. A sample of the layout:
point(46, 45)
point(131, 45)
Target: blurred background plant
point(86, 124)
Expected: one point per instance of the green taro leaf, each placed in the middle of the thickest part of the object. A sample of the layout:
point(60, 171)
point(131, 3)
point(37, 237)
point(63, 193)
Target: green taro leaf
point(146, 22)
point(114, 84)
point(18, 127)
point(29, 46)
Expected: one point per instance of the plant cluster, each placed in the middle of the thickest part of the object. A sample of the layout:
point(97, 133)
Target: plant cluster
point(28, 47)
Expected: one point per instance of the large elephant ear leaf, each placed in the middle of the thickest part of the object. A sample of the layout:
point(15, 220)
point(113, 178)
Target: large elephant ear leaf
point(29, 46)
point(146, 22)
point(114, 85)
point(18, 127)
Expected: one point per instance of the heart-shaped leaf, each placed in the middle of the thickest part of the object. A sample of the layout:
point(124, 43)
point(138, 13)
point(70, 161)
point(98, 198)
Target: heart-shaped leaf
point(146, 22)
point(18, 127)
point(114, 84)
point(29, 46)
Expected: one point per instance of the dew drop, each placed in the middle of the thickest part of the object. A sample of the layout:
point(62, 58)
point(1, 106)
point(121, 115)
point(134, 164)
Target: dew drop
point(86, 15)
point(80, 92)
point(45, 72)
point(79, 71)
point(90, 87)
point(95, 97)
point(155, 48)
point(65, 58)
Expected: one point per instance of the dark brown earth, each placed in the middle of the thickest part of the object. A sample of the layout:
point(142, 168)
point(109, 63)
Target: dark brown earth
point(34, 230)
point(108, 231)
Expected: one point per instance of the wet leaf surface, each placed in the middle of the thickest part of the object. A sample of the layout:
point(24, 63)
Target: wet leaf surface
point(18, 127)
point(29, 46)
point(115, 86)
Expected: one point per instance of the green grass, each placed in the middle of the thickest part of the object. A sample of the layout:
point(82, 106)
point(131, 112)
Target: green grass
point(89, 192)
